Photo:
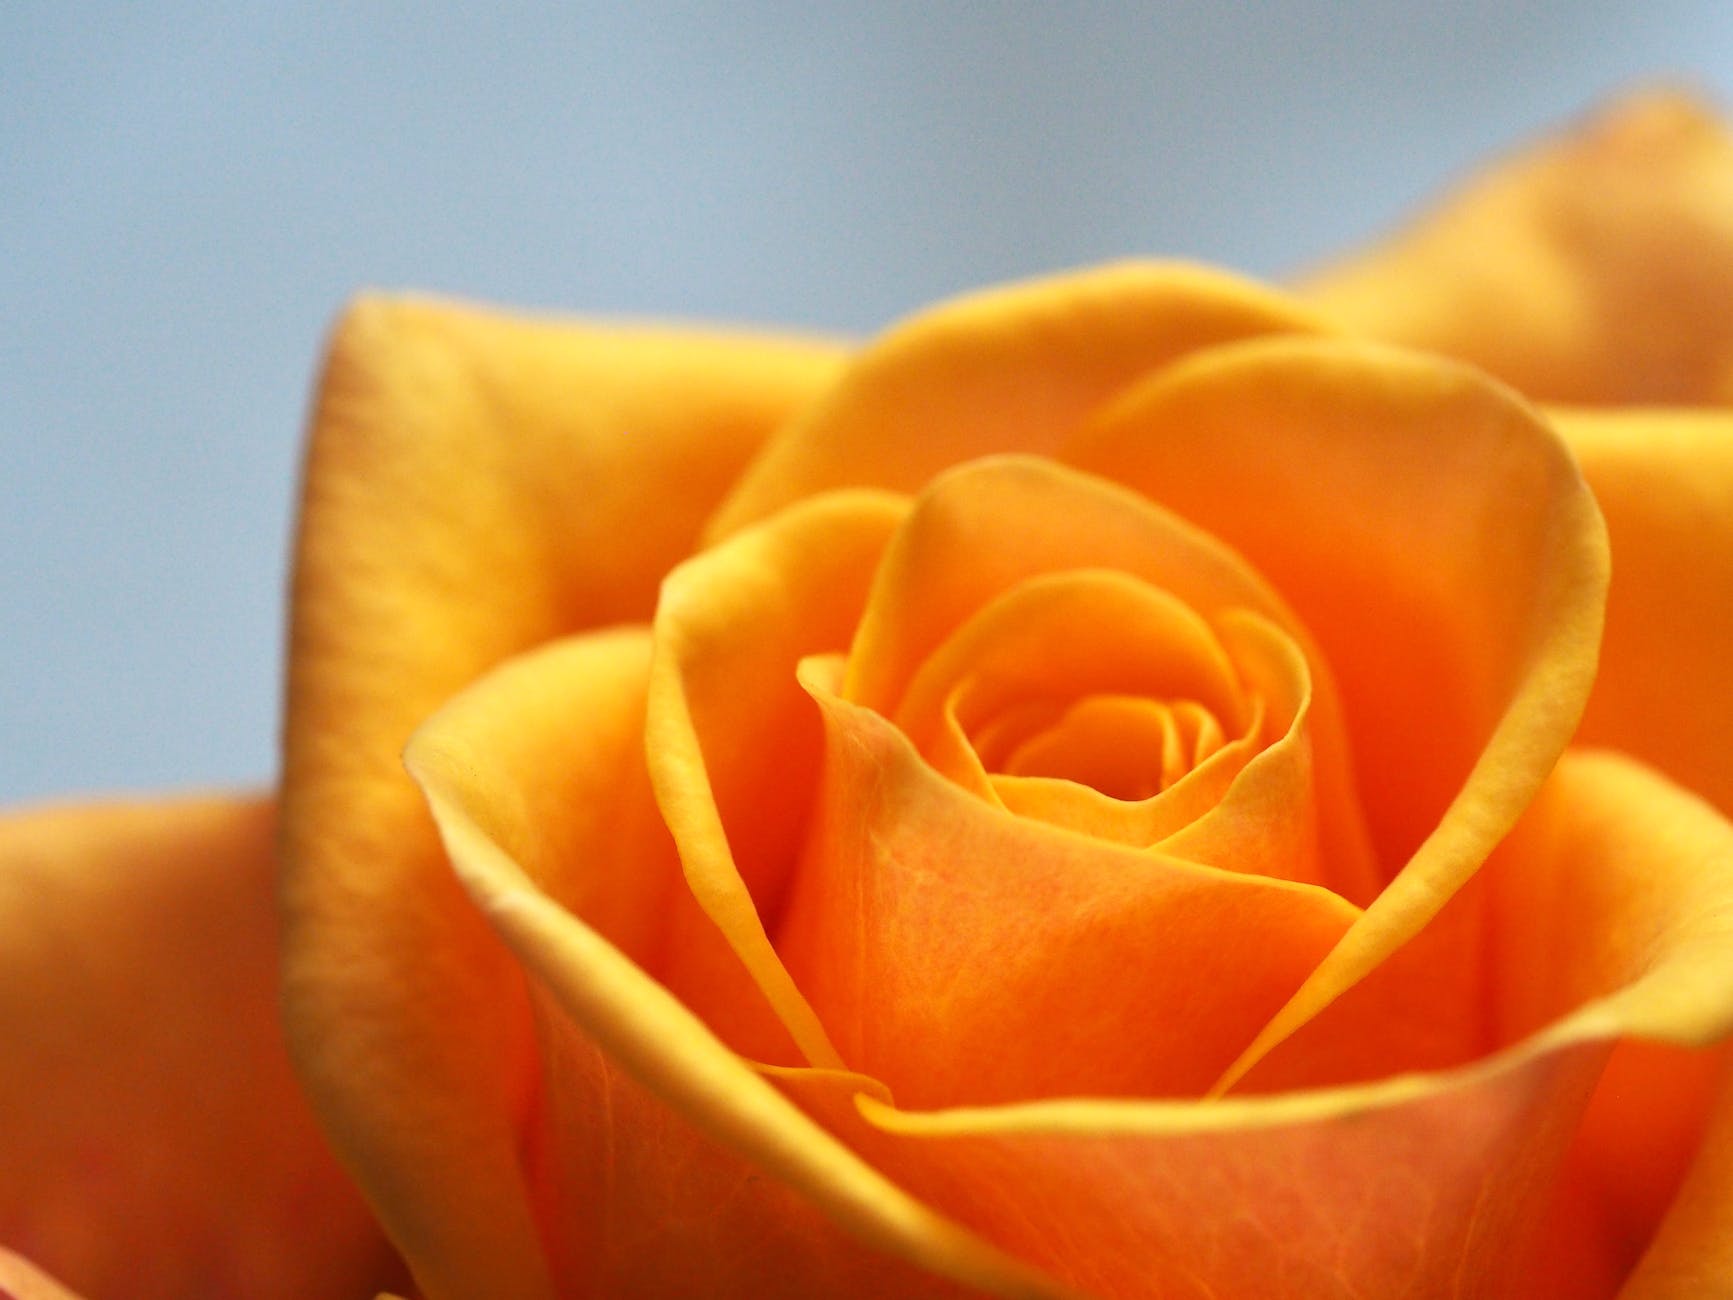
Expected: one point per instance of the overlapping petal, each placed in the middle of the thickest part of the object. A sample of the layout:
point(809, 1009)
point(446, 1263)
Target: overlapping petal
point(1437, 540)
point(1012, 369)
point(983, 529)
point(1419, 1184)
point(664, 1163)
point(963, 955)
point(733, 744)
point(153, 1142)
point(476, 485)
point(1595, 267)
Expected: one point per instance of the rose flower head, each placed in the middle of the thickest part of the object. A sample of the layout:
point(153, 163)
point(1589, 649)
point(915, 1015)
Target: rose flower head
point(1131, 784)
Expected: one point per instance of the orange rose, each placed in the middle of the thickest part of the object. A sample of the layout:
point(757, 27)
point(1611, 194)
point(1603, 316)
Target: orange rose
point(1071, 800)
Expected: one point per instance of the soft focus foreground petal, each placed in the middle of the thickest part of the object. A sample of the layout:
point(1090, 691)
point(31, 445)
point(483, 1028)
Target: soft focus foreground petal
point(982, 529)
point(733, 743)
point(1422, 1184)
point(967, 956)
point(1436, 539)
point(667, 1165)
point(476, 485)
point(20, 1280)
point(1595, 267)
point(153, 1142)
point(1664, 480)
point(1011, 369)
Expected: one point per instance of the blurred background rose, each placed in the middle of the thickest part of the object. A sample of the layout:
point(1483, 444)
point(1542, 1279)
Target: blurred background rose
point(189, 191)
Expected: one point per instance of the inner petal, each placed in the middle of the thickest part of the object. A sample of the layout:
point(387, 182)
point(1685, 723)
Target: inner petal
point(1088, 631)
point(1098, 813)
point(980, 532)
point(1126, 746)
point(962, 955)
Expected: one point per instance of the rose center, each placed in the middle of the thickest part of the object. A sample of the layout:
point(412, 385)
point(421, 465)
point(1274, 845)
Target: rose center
point(1127, 747)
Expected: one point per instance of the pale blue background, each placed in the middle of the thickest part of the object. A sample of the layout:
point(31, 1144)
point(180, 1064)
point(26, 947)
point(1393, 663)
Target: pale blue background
point(188, 191)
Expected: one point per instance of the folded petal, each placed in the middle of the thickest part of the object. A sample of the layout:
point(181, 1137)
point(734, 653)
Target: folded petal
point(155, 1142)
point(477, 485)
point(1435, 538)
point(1664, 480)
point(733, 743)
point(1423, 1184)
point(963, 955)
point(664, 1163)
point(982, 529)
point(1011, 369)
point(1594, 267)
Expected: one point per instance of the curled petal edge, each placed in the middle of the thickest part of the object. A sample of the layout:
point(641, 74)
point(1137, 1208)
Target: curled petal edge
point(668, 1050)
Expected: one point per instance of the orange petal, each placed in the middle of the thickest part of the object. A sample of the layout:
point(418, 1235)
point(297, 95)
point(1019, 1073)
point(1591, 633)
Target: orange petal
point(656, 1140)
point(1194, 791)
point(1646, 1122)
point(984, 528)
point(19, 1280)
point(962, 954)
point(733, 743)
point(1665, 482)
point(1057, 636)
point(476, 485)
point(1594, 267)
point(1004, 370)
point(1436, 539)
point(1423, 1184)
point(1267, 820)
point(156, 1144)
point(1124, 745)
point(1609, 869)
point(1692, 1254)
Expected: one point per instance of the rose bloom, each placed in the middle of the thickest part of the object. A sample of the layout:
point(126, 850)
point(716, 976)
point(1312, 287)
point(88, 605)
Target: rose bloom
point(1130, 785)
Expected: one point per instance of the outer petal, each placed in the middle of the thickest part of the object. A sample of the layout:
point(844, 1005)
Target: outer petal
point(155, 1143)
point(1013, 369)
point(1596, 267)
point(1436, 539)
point(476, 485)
point(1427, 1184)
point(1665, 482)
point(655, 1139)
